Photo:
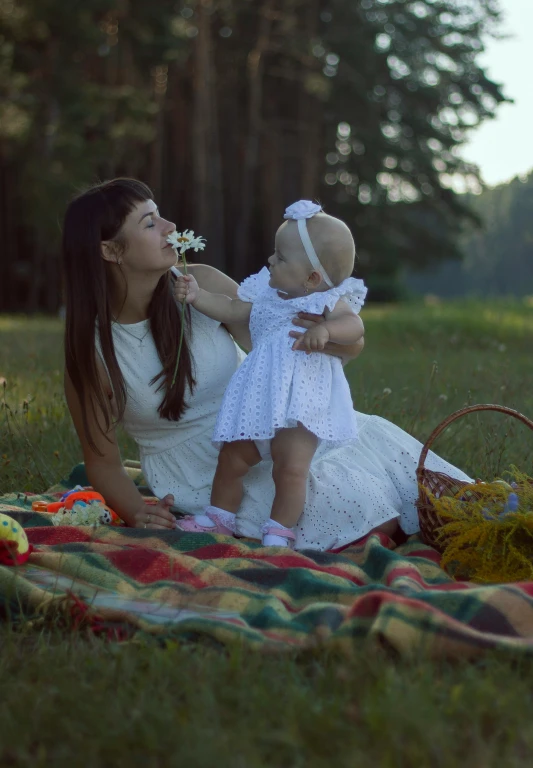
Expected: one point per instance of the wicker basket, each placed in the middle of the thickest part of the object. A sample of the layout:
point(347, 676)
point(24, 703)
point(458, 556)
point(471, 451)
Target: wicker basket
point(439, 484)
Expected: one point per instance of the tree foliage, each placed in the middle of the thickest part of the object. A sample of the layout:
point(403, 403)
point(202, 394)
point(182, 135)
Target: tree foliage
point(231, 109)
point(498, 258)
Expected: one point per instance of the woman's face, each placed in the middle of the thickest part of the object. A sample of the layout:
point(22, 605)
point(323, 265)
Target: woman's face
point(145, 240)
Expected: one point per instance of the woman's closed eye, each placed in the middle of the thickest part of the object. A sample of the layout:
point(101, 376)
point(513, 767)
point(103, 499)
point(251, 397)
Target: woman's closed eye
point(150, 219)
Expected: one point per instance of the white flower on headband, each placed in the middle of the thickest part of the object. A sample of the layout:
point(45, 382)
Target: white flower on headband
point(182, 241)
point(303, 209)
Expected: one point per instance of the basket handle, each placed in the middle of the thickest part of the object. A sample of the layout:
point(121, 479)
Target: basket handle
point(463, 412)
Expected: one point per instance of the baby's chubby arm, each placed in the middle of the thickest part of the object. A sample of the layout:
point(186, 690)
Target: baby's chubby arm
point(342, 326)
point(214, 305)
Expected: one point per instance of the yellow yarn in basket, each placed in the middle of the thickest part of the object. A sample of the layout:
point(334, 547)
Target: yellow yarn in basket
point(484, 541)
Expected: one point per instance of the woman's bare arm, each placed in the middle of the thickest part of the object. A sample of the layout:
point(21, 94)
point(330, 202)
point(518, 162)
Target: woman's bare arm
point(106, 473)
point(347, 352)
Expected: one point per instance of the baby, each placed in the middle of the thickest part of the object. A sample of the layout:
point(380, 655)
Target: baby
point(285, 397)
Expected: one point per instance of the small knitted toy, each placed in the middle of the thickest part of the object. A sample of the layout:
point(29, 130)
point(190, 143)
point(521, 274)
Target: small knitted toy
point(14, 546)
point(80, 506)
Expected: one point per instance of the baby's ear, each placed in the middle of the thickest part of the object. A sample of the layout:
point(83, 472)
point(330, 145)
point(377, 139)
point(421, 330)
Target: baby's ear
point(314, 279)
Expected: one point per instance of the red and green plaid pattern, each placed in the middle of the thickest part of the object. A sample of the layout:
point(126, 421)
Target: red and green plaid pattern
point(126, 581)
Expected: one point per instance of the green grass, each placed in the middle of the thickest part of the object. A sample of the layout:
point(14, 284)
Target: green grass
point(433, 360)
point(70, 700)
point(68, 703)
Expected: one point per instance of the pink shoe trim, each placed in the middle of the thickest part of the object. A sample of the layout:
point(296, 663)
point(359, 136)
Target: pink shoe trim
point(219, 520)
point(271, 530)
point(190, 525)
point(282, 533)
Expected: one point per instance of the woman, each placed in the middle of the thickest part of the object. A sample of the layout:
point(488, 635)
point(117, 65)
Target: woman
point(122, 334)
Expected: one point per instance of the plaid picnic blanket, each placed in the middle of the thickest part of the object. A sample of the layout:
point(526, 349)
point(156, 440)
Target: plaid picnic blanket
point(127, 582)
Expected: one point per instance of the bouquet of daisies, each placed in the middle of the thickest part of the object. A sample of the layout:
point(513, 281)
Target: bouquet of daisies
point(181, 242)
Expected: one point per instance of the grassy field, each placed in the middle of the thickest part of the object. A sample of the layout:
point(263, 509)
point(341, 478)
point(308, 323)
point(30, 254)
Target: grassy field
point(68, 701)
point(419, 365)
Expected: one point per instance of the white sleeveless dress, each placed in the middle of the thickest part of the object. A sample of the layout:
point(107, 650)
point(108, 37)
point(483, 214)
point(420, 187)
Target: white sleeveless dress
point(351, 489)
point(277, 387)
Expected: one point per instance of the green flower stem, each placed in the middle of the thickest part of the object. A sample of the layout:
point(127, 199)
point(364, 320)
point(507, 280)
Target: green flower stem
point(182, 329)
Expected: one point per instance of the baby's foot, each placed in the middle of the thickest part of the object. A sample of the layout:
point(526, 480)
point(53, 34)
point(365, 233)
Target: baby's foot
point(277, 535)
point(215, 520)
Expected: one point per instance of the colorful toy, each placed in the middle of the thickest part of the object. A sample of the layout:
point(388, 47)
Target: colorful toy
point(80, 506)
point(14, 546)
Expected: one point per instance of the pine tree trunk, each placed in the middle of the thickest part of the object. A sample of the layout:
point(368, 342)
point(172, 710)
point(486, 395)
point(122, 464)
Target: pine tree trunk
point(271, 193)
point(40, 270)
point(256, 66)
point(310, 117)
point(208, 192)
point(7, 237)
point(158, 148)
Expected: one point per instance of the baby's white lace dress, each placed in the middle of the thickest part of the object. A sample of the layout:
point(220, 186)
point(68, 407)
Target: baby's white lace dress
point(277, 387)
point(351, 488)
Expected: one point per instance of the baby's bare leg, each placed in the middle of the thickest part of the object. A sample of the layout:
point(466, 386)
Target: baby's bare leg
point(234, 462)
point(292, 452)
point(390, 527)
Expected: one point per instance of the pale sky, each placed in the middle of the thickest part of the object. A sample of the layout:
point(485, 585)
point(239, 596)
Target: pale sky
point(503, 147)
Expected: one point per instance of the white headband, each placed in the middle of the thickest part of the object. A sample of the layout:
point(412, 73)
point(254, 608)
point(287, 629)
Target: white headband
point(299, 212)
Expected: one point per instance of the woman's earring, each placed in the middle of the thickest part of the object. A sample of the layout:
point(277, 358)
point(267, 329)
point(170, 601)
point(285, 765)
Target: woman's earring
point(306, 289)
point(119, 262)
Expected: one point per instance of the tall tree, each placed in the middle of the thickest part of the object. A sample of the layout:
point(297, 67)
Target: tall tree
point(406, 88)
point(231, 109)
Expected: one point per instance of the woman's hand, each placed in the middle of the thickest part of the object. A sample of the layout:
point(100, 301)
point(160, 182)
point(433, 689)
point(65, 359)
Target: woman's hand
point(186, 289)
point(156, 516)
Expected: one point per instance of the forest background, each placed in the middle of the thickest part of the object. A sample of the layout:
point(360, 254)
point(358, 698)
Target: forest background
point(232, 109)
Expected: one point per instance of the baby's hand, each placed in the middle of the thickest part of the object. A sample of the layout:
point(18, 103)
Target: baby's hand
point(186, 289)
point(313, 340)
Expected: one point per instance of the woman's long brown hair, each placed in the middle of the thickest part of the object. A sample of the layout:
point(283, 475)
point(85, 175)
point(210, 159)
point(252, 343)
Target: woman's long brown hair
point(94, 216)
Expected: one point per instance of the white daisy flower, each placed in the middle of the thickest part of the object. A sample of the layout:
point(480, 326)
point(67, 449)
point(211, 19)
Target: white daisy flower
point(182, 241)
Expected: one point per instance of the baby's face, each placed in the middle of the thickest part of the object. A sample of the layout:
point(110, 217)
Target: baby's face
point(289, 266)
